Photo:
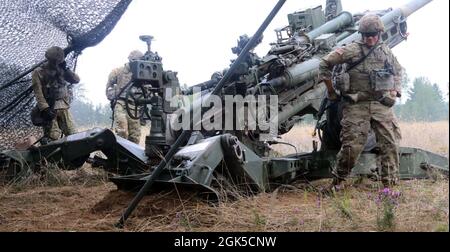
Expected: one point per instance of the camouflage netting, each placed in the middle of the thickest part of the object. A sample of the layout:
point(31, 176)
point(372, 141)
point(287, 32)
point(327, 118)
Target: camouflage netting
point(27, 29)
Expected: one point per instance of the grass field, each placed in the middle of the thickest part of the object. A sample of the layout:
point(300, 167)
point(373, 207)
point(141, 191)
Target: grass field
point(83, 200)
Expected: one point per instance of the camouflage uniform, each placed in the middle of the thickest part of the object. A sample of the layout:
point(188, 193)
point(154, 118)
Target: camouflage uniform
point(366, 112)
point(49, 84)
point(125, 126)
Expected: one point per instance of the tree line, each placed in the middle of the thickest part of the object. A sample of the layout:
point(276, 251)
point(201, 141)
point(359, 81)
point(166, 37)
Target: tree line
point(87, 114)
point(426, 102)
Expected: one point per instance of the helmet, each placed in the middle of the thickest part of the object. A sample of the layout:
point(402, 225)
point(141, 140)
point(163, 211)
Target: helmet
point(370, 23)
point(55, 54)
point(217, 76)
point(135, 55)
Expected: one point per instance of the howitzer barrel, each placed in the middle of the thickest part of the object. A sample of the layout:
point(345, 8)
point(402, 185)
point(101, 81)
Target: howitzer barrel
point(391, 17)
point(413, 6)
point(309, 69)
point(293, 76)
point(297, 74)
point(312, 96)
point(343, 35)
point(342, 20)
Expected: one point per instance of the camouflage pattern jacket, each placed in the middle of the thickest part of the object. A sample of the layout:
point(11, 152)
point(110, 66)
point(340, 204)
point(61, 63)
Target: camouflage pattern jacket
point(360, 75)
point(50, 86)
point(117, 80)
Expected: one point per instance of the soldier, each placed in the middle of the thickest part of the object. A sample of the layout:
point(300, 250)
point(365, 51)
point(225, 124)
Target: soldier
point(373, 83)
point(49, 84)
point(125, 126)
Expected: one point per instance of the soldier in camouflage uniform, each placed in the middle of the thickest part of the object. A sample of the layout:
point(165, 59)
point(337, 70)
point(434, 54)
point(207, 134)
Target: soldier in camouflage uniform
point(125, 126)
point(369, 96)
point(49, 84)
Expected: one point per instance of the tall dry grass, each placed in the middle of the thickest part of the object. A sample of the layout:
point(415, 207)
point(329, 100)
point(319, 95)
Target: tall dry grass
point(422, 206)
point(431, 136)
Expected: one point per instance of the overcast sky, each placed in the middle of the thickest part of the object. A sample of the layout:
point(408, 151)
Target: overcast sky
point(195, 37)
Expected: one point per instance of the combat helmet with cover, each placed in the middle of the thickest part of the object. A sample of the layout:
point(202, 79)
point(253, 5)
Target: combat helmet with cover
point(135, 55)
point(55, 54)
point(370, 23)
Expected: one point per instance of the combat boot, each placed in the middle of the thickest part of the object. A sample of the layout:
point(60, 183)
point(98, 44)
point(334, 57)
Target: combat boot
point(331, 189)
point(365, 183)
point(389, 183)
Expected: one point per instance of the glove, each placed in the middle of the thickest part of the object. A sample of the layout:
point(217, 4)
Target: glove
point(48, 114)
point(63, 65)
point(395, 93)
point(333, 96)
point(112, 92)
point(387, 100)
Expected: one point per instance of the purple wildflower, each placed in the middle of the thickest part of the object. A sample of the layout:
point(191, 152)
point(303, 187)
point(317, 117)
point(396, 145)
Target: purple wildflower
point(388, 196)
point(378, 201)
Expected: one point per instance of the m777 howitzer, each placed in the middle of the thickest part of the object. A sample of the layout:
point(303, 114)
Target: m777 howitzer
point(203, 157)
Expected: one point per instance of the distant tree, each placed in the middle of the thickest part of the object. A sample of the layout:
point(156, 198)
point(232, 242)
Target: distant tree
point(447, 92)
point(85, 113)
point(405, 80)
point(425, 103)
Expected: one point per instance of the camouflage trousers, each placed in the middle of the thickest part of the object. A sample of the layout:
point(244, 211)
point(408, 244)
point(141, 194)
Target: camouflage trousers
point(63, 123)
point(356, 122)
point(125, 126)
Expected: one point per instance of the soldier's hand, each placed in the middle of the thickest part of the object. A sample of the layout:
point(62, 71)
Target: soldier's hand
point(63, 65)
point(110, 93)
point(395, 93)
point(333, 96)
point(48, 114)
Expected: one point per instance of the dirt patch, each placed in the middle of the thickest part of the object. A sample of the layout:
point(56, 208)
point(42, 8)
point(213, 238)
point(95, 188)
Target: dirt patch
point(165, 202)
point(423, 207)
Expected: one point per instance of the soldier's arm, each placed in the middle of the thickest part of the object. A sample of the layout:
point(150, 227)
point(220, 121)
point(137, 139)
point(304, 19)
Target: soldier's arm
point(338, 56)
point(398, 77)
point(112, 80)
point(37, 84)
point(71, 77)
point(398, 74)
point(328, 62)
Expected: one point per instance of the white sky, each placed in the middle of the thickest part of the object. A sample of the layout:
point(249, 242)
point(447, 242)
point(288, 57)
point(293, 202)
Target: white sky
point(195, 37)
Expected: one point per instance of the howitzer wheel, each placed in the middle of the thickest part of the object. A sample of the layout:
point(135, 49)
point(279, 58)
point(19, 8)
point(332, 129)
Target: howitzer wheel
point(12, 170)
point(134, 95)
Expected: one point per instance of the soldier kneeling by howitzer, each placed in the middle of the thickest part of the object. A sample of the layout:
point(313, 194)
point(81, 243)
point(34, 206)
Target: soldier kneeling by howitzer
point(124, 125)
point(50, 85)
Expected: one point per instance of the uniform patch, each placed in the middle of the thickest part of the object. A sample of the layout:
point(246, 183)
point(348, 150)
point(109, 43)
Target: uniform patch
point(340, 51)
